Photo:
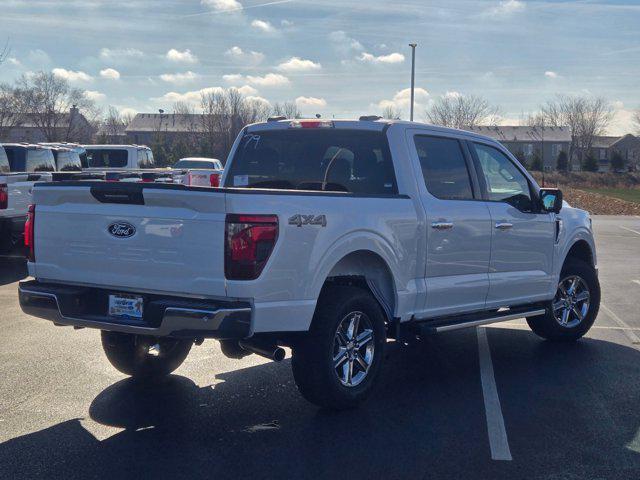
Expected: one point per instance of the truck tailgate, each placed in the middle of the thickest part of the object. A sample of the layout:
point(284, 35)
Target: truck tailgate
point(133, 237)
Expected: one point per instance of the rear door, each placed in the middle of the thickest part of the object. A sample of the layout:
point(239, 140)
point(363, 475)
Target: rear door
point(523, 238)
point(458, 228)
point(140, 238)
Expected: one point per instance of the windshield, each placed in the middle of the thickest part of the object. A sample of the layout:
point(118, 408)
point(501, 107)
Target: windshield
point(107, 158)
point(196, 164)
point(336, 160)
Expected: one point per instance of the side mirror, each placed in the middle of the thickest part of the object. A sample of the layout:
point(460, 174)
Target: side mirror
point(551, 200)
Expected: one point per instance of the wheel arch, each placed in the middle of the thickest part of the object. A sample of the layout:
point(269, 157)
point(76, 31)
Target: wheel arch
point(581, 250)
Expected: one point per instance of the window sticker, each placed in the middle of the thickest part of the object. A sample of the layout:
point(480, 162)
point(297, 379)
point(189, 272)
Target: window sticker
point(240, 180)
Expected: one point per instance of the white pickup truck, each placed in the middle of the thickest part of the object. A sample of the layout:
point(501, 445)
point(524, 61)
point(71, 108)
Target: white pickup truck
point(329, 237)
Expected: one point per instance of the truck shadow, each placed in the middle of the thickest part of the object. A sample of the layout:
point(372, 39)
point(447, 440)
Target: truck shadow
point(426, 419)
point(12, 270)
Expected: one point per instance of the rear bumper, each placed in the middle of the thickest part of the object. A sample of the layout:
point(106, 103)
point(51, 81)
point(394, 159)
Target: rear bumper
point(163, 316)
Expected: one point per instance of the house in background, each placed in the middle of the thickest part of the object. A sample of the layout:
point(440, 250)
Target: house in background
point(68, 127)
point(628, 146)
point(529, 141)
point(145, 128)
point(548, 143)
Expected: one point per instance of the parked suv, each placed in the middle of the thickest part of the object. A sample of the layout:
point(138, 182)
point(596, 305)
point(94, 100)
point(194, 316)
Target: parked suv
point(327, 236)
point(130, 157)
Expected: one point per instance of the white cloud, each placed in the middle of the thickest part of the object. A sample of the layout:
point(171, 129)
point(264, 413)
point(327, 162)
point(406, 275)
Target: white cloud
point(120, 53)
point(623, 119)
point(286, 23)
point(110, 73)
point(71, 75)
point(94, 95)
point(344, 43)
point(256, 99)
point(297, 64)
point(269, 80)
point(128, 112)
point(402, 99)
point(14, 61)
point(192, 97)
point(222, 5)
point(240, 56)
point(506, 8)
point(263, 25)
point(381, 59)
point(247, 91)
point(181, 57)
point(311, 102)
point(179, 78)
point(550, 74)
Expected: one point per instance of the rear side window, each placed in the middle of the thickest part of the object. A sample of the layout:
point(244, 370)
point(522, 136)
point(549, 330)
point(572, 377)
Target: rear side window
point(107, 158)
point(337, 160)
point(40, 160)
point(145, 159)
point(444, 168)
point(68, 161)
point(4, 162)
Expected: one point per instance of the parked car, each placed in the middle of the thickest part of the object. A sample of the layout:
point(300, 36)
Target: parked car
point(130, 157)
point(15, 189)
point(25, 157)
point(329, 237)
point(198, 163)
point(198, 171)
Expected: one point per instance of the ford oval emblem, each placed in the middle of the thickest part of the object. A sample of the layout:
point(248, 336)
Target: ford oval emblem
point(122, 229)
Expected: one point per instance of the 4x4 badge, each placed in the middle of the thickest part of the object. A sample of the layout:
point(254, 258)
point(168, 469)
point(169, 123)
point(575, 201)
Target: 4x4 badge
point(300, 220)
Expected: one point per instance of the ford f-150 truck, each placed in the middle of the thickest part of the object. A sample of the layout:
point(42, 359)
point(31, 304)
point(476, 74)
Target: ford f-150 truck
point(329, 237)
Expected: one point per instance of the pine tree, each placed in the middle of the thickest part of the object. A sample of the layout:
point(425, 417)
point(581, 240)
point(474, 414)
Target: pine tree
point(562, 164)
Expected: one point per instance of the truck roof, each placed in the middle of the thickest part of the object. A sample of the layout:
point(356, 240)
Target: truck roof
point(375, 125)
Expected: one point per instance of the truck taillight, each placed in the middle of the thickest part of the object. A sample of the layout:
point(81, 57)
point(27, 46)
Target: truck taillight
point(4, 196)
point(29, 233)
point(214, 179)
point(249, 241)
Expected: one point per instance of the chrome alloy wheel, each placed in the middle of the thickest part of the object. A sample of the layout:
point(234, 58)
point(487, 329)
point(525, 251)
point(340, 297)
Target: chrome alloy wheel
point(571, 304)
point(353, 349)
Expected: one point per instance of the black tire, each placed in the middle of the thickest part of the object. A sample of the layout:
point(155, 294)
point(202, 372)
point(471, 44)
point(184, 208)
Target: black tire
point(130, 355)
point(548, 327)
point(313, 356)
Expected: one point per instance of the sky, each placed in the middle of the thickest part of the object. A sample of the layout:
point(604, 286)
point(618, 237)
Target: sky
point(338, 58)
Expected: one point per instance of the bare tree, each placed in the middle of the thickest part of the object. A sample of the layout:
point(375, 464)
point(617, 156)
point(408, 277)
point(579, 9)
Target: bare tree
point(286, 109)
point(462, 111)
point(391, 113)
point(4, 53)
point(113, 125)
point(586, 117)
point(11, 108)
point(54, 107)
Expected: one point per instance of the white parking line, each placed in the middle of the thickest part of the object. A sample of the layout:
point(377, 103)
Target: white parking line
point(495, 422)
point(636, 281)
point(628, 331)
point(629, 229)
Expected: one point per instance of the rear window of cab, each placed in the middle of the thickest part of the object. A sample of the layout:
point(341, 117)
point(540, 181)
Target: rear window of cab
point(335, 160)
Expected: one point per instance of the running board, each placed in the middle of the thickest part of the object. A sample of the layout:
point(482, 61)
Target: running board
point(467, 321)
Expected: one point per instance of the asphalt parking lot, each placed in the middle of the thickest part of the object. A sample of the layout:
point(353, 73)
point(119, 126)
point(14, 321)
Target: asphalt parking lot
point(563, 411)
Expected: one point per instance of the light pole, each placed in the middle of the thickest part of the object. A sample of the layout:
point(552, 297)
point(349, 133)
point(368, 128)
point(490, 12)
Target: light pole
point(413, 75)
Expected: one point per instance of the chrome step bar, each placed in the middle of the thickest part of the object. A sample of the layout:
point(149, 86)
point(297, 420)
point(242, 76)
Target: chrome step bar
point(482, 321)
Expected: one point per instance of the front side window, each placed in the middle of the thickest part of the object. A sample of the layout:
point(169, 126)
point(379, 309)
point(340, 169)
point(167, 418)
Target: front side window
point(504, 181)
point(444, 168)
point(107, 158)
point(337, 160)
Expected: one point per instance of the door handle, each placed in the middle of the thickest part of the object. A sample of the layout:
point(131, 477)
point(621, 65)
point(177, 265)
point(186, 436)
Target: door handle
point(504, 225)
point(442, 225)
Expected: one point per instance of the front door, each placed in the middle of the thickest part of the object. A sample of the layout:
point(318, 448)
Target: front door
point(522, 243)
point(458, 228)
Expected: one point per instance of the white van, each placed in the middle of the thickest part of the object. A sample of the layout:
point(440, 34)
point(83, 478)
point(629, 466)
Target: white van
point(129, 157)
